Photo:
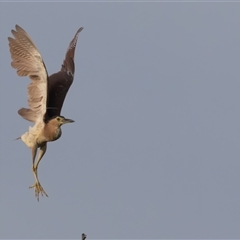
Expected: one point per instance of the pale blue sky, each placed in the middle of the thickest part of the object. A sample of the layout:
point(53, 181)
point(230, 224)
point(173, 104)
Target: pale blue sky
point(155, 148)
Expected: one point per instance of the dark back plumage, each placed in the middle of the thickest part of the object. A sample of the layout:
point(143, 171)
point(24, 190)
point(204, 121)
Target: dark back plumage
point(60, 82)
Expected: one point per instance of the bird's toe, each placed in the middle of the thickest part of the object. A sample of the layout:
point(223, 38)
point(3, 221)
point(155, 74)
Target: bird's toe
point(38, 190)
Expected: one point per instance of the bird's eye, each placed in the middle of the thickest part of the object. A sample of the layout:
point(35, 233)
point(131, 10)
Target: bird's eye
point(58, 118)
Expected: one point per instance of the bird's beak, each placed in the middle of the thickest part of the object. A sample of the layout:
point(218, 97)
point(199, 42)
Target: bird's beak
point(68, 121)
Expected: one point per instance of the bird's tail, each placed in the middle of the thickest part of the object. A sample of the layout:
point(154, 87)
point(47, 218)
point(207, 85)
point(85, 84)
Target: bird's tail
point(16, 138)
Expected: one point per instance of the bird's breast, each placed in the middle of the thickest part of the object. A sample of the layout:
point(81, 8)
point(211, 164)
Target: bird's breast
point(51, 133)
point(57, 134)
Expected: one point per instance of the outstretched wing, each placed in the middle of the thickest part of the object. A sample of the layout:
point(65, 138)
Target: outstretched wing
point(59, 83)
point(27, 60)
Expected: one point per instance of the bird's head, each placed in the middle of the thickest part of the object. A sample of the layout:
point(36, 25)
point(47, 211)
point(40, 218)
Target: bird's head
point(60, 120)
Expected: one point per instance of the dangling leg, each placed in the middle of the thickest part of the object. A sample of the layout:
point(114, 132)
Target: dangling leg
point(37, 185)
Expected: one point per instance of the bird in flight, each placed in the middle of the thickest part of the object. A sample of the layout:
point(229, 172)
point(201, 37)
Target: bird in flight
point(46, 95)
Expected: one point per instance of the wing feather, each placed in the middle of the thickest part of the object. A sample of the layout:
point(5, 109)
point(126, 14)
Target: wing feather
point(27, 60)
point(60, 82)
point(68, 62)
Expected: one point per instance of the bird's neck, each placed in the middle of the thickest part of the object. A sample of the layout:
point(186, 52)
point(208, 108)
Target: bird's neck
point(57, 133)
point(52, 132)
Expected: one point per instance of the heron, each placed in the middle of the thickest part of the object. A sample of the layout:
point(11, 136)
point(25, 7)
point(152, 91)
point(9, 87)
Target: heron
point(46, 95)
point(84, 236)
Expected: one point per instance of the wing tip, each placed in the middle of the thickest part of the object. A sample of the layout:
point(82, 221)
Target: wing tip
point(68, 62)
point(80, 29)
point(18, 28)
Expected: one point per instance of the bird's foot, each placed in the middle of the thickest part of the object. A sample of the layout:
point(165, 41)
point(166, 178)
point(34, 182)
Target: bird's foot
point(38, 189)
